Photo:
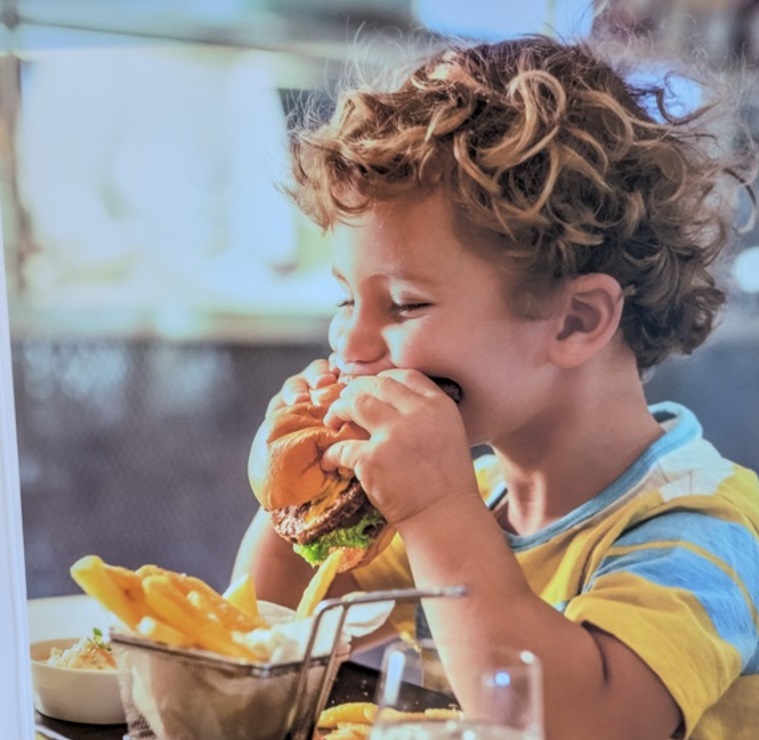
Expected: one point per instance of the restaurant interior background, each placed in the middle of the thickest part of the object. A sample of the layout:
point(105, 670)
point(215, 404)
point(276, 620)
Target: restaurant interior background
point(161, 287)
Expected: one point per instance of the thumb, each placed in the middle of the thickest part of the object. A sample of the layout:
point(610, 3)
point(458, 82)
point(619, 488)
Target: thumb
point(342, 455)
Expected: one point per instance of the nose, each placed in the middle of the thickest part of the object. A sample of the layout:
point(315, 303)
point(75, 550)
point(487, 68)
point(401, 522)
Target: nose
point(357, 343)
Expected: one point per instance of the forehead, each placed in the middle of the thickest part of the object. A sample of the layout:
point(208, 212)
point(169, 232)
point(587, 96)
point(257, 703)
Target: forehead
point(410, 234)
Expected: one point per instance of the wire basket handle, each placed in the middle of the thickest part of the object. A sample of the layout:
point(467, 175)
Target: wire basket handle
point(344, 604)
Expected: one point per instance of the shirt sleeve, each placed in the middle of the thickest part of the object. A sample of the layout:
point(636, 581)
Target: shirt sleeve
point(680, 589)
point(390, 569)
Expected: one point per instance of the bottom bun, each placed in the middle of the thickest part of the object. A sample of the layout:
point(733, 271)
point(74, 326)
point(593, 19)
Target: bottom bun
point(357, 557)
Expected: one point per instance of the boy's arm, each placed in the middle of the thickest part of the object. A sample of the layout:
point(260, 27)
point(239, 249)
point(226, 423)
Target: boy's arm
point(594, 685)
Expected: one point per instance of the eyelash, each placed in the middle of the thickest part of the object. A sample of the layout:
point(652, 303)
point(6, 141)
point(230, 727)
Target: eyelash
point(396, 307)
point(409, 307)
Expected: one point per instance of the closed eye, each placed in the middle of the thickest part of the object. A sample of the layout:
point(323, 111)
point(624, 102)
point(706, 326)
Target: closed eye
point(410, 308)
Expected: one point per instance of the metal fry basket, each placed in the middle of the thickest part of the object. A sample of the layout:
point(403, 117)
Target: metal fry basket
point(187, 694)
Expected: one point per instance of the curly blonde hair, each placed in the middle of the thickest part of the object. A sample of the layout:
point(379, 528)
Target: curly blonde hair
point(556, 162)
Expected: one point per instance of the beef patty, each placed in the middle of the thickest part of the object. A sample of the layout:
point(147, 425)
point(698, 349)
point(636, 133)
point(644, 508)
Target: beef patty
point(292, 523)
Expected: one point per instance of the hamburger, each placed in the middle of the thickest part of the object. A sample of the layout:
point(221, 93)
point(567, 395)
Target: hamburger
point(318, 511)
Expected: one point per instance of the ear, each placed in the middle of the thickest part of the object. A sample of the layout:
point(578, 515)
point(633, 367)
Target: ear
point(587, 319)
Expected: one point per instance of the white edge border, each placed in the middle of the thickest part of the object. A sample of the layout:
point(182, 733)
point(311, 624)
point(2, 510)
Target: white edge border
point(16, 702)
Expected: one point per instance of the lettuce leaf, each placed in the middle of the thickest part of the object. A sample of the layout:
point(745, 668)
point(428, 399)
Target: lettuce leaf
point(357, 535)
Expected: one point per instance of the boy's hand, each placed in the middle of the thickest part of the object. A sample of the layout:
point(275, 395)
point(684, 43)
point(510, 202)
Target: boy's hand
point(417, 452)
point(296, 388)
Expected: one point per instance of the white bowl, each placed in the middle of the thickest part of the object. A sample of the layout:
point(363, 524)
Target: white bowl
point(74, 694)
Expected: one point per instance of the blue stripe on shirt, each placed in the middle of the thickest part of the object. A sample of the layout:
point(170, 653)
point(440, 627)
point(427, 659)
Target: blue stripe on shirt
point(752, 667)
point(729, 542)
point(680, 568)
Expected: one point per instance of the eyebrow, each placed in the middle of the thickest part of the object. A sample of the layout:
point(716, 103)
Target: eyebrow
point(399, 275)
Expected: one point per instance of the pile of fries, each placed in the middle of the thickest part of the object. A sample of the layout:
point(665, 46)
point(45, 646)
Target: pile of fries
point(184, 611)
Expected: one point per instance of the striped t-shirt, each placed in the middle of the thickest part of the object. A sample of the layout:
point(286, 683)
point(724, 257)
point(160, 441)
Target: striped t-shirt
point(666, 559)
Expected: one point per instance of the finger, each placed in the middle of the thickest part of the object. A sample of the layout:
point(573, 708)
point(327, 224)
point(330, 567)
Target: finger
point(418, 382)
point(319, 373)
point(294, 390)
point(332, 362)
point(297, 388)
point(360, 403)
point(427, 386)
point(275, 403)
point(342, 455)
point(371, 400)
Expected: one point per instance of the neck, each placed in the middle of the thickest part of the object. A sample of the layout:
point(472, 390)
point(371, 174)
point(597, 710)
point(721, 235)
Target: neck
point(573, 451)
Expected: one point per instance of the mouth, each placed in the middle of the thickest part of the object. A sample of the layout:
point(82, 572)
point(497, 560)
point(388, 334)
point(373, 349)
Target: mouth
point(450, 387)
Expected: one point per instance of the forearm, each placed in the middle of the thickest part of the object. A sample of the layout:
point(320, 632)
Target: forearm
point(279, 575)
point(584, 696)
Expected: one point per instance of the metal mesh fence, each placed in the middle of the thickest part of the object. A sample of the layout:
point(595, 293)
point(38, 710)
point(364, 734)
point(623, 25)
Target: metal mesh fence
point(137, 451)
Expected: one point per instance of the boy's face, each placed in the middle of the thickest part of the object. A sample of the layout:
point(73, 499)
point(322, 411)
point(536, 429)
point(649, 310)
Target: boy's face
point(415, 297)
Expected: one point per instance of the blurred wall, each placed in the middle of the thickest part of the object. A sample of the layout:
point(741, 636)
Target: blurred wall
point(137, 451)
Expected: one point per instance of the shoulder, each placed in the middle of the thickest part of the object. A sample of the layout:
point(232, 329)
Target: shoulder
point(684, 470)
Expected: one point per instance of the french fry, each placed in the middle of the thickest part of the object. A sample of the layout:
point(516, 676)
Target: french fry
point(222, 612)
point(440, 713)
point(97, 580)
point(242, 593)
point(227, 614)
point(167, 599)
point(396, 715)
point(348, 731)
point(230, 615)
point(352, 712)
point(389, 714)
point(131, 586)
point(319, 585)
point(354, 720)
point(158, 631)
point(172, 608)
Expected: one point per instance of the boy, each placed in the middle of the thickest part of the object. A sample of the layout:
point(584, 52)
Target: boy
point(519, 223)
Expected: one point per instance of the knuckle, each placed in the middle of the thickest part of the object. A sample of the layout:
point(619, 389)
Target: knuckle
point(363, 402)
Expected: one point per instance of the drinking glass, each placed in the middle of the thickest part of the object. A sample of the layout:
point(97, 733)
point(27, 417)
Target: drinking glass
point(416, 700)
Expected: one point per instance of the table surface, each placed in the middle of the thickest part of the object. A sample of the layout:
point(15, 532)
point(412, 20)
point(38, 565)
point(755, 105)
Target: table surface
point(354, 682)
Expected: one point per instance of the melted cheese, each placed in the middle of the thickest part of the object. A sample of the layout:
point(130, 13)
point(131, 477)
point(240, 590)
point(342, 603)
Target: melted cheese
point(319, 505)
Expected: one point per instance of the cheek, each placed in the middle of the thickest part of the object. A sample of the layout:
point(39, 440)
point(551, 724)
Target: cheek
point(410, 347)
point(334, 331)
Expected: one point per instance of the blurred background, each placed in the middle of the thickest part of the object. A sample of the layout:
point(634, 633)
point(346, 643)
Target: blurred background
point(161, 288)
